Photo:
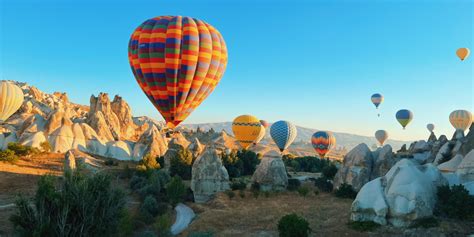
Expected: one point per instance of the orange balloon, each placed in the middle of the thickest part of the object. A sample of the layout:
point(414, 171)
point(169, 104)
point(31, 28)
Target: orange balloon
point(463, 53)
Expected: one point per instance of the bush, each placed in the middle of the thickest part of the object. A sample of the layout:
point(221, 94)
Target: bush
point(175, 190)
point(238, 185)
point(163, 225)
point(345, 191)
point(46, 146)
point(306, 163)
point(329, 171)
point(240, 163)
point(427, 222)
point(201, 234)
point(80, 206)
point(149, 209)
point(110, 162)
point(149, 162)
point(241, 193)
point(323, 185)
point(363, 225)
point(21, 150)
point(8, 156)
point(303, 191)
point(126, 224)
point(455, 202)
point(149, 183)
point(181, 164)
point(293, 184)
point(293, 226)
point(230, 194)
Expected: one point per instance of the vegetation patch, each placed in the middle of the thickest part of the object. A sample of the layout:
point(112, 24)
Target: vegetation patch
point(345, 191)
point(363, 226)
point(323, 185)
point(455, 202)
point(427, 222)
point(293, 225)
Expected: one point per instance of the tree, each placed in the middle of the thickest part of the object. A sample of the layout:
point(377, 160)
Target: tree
point(45, 146)
point(181, 164)
point(293, 226)
point(175, 190)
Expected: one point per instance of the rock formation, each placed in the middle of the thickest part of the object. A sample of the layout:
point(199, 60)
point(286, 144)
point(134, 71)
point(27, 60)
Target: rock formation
point(196, 147)
point(102, 118)
point(69, 162)
point(271, 173)
point(356, 168)
point(465, 169)
point(405, 194)
point(151, 142)
point(209, 176)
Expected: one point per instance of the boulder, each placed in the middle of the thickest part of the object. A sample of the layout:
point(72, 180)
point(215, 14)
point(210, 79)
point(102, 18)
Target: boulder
point(405, 194)
point(421, 146)
point(383, 161)
point(370, 204)
point(7, 138)
point(271, 173)
point(356, 168)
point(99, 124)
point(34, 140)
point(443, 153)
point(209, 176)
point(54, 121)
point(451, 165)
point(119, 150)
point(151, 142)
point(69, 162)
point(79, 141)
point(94, 143)
point(465, 169)
point(61, 139)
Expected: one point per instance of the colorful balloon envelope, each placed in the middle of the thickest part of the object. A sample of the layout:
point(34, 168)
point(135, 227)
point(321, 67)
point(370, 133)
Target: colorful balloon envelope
point(283, 134)
point(323, 142)
point(177, 62)
point(381, 136)
point(264, 123)
point(461, 119)
point(430, 127)
point(404, 117)
point(247, 130)
point(463, 53)
point(11, 99)
point(377, 99)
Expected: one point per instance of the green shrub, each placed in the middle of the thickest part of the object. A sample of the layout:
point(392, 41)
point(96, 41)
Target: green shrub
point(175, 190)
point(303, 191)
point(293, 184)
point(293, 226)
point(126, 173)
point(427, 222)
point(21, 150)
point(230, 194)
point(455, 202)
point(8, 156)
point(240, 163)
point(306, 163)
point(126, 224)
point(163, 225)
point(46, 146)
point(363, 225)
point(181, 164)
point(345, 191)
point(241, 193)
point(316, 192)
point(201, 234)
point(266, 194)
point(110, 162)
point(149, 209)
point(323, 184)
point(329, 171)
point(238, 184)
point(149, 162)
point(151, 182)
point(255, 186)
point(79, 206)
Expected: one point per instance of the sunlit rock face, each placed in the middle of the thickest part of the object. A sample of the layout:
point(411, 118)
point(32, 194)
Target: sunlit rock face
point(271, 173)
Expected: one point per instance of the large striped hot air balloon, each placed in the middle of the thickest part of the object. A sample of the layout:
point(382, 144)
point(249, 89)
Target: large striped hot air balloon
point(11, 99)
point(323, 142)
point(463, 53)
point(381, 136)
point(460, 119)
point(404, 117)
point(247, 129)
point(283, 134)
point(377, 99)
point(177, 61)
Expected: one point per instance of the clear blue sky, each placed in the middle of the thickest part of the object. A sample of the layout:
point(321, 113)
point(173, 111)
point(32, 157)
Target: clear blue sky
point(314, 63)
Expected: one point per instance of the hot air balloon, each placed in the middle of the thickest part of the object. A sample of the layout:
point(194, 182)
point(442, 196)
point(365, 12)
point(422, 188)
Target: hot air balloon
point(404, 117)
point(261, 135)
point(463, 53)
point(323, 142)
point(381, 136)
point(177, 62)
point(460, 119)
point(11, 99)
point(283, 134)
point(264, 123)
point(377, 99)
point(246, 130)
point(430, 127)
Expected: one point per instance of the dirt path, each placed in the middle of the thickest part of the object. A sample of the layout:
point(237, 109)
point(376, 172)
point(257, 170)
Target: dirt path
point(184, 216)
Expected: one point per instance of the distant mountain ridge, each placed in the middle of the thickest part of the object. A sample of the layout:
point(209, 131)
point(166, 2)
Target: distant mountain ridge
point(345, 140)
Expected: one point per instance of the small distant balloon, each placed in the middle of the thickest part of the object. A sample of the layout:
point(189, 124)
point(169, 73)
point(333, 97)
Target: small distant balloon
point(261, 135)
point(11, 99)
point(404, 117)
point(463, 53)
point(246, 130)
point(377, 99)
point(264, 123)
point(283, 134)
point(381, 136)
point(323, 142)
point(460, 119)
point(430, 127)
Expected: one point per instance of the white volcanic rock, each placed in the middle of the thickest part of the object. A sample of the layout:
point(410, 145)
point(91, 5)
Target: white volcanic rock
point(98, 123)
point(79, 141)
point(119, 150)
point(34, 140)
point(196, 147)
point(151, 142)
point(465, 169)
point(94, 143)
point(101, 117)
point(356, 168)
point(124, 114)
point(209, 176)
point(11, 137)
point(383, 160)
point(54, 121)
point(62, 138)
point(451, 165)
point(179, 139)
point(409, 191)
point(271, 173)
point(443, 152)
point(370, 204)
point(69, 162)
